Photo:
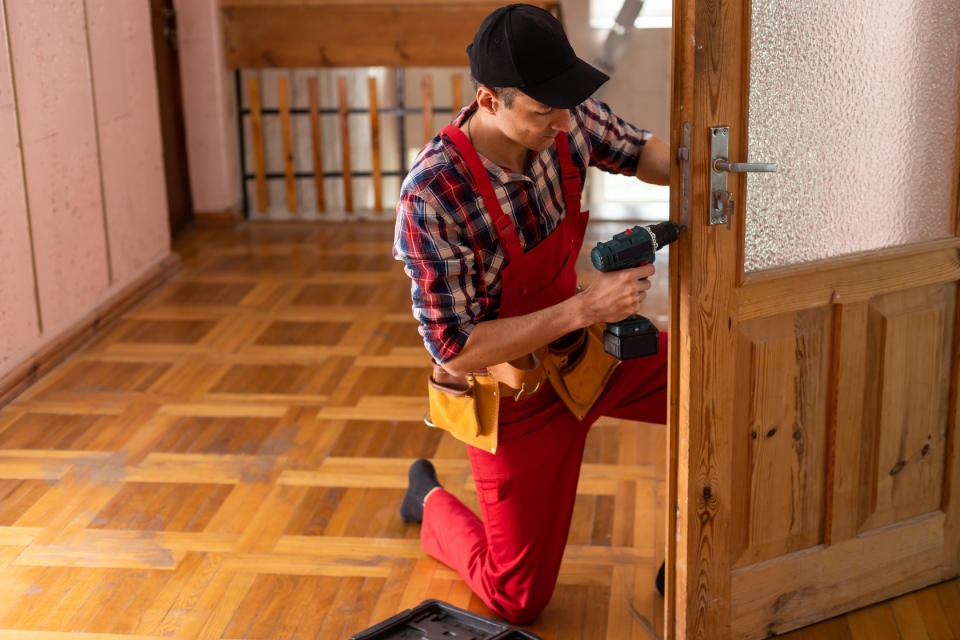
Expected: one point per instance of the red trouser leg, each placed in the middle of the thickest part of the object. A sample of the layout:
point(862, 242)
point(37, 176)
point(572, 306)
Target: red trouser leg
point(527, 491)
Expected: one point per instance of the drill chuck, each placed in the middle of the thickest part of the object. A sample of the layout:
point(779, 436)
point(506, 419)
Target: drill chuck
point(633, 247)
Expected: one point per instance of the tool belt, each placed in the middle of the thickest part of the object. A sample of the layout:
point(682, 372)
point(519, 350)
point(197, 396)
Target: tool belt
point(469, 406)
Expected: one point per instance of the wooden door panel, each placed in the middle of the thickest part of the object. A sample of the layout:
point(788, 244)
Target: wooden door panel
point(781, 418)
point(906, 404)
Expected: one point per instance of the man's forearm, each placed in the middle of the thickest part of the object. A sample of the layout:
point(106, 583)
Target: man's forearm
point(609, 298)
point(495, 341)
point(654, 166)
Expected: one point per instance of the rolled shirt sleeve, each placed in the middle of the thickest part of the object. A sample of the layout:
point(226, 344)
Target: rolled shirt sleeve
point(443, 274)
point(615, 146)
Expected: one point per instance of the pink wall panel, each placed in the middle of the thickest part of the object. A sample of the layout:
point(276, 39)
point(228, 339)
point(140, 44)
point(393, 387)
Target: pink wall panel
point(60, 153)
point(67, 145)
point(18, 308)
point(130, 146)
point(209, 107)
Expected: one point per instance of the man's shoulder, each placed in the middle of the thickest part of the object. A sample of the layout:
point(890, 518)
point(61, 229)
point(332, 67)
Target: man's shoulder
point(591, 111)
point(434, 172)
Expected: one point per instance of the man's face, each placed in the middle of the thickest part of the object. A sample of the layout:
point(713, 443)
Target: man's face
point(531, 123)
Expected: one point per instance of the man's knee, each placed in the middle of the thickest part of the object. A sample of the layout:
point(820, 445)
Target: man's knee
point(521, 604)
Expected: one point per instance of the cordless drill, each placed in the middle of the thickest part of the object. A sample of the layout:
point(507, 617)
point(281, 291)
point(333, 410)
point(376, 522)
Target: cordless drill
point(636, 336)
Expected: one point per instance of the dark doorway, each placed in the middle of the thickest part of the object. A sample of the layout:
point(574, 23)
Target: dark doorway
point(164, 21)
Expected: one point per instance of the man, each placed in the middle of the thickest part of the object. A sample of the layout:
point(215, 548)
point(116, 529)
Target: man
point(489, 229)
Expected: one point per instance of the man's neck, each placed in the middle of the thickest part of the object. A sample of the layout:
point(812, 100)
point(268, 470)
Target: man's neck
point(491, 143)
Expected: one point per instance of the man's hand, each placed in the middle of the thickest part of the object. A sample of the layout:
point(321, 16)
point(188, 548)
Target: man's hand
point(616, 295)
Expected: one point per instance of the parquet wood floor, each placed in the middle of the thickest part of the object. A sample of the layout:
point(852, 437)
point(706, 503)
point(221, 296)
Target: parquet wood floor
point(227, 460)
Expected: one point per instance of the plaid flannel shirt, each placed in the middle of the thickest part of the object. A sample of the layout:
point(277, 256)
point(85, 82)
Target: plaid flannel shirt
point(447, 240)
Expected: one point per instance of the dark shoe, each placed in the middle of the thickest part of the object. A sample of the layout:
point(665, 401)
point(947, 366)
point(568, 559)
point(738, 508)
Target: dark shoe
point(661, 578)
point(423, 479)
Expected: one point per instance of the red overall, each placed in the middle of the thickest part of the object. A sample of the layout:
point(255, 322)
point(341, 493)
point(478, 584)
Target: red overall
point(528, 489)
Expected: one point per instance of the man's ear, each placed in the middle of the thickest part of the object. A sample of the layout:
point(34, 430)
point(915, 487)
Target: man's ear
point(488, 100)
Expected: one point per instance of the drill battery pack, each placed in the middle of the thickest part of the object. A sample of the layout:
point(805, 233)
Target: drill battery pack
point(635, 337)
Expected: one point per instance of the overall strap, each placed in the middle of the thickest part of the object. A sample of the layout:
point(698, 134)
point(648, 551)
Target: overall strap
point(572, 187)
point(503, 224)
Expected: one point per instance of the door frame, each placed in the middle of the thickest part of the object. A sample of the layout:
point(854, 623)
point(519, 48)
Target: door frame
point(163, 20)
point(711, 48)
point(703, 34)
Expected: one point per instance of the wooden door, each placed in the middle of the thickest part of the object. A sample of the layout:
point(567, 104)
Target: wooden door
point(173, 131)
point(814, 405)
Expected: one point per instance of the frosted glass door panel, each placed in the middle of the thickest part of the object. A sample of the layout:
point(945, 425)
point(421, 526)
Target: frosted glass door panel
point(858, 102)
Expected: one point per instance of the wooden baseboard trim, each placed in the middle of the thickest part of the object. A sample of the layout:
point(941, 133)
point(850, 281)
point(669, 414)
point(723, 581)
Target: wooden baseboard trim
point(68, 342)
point(218, 219)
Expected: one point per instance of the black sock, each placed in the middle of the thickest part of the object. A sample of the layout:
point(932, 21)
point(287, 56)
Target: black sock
point(423, 478)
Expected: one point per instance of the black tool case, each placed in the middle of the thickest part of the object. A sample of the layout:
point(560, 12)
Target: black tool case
point(436, 620)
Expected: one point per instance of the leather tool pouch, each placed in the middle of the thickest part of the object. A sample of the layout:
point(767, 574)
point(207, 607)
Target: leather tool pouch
point(579, 368)
point(469, 406)
point(466, 406)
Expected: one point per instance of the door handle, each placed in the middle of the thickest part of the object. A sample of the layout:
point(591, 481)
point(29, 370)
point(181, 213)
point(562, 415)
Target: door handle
point(722, 206)
point(721, 164)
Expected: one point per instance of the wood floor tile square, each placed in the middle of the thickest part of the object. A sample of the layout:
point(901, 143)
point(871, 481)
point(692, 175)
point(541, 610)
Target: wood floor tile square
point(281, 379)
point(162, 331)
point(207, 294)
point(259, 264)
point(352, 512)
point(108, 377)
point(266, 235)
point(335, 294)
point(593, 521)
point(17, 496)
point(602, 445)
point(342, 235)
point(355, 263)
point(281, 333)
point(145, 506)
point(51, 431)
point(277, 607)
point(216, 435)
point(388, 381)
point(387, 439)
point(398, 334)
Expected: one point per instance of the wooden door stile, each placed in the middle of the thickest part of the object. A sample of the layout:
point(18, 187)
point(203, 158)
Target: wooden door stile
point(315, 137)
point(678, 397)
point(376, 173)
point(283, 94)
point(428, 131)
point(951, 479)
point(456, 103)
point(256, 126)
point(345, 144)
point(956, 184)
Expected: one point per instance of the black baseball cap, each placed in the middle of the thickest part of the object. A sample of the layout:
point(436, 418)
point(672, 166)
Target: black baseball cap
point(523, 46)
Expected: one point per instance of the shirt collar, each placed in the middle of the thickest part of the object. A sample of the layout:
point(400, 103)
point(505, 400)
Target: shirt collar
point(496, 171)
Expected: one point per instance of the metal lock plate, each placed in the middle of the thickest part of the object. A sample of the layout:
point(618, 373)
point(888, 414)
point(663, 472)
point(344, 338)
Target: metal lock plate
point(721, 204)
